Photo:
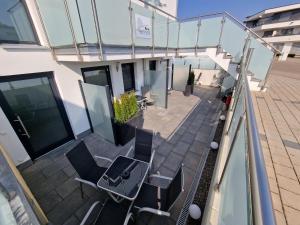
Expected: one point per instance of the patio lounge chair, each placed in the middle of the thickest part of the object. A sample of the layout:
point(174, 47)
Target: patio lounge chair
point(85, 165)
point(111, 213)
point(142, 149)
point(158, 200)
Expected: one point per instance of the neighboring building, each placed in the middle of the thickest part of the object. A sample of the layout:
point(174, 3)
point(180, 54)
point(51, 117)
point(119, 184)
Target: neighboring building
point(279, 26)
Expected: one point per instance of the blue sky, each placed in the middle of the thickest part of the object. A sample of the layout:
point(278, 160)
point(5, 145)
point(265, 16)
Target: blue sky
point(238, 8)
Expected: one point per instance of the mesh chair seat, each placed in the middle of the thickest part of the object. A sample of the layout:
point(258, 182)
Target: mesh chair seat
point(95, 174)
point(159, 198)
point(111, 213)
point(147, 197)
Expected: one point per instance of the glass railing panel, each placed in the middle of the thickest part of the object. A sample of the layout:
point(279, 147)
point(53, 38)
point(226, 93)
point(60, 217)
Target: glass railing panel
point(238, 111)
point(234, 189)
point(209, 32)
point(188, 34)
point(260, 60)
point(114, 21)
point(180, 76)
point(76, 23)
point(156, 81)
point(233, 39)
point(56, 22)
point(173, 34)
point(98, 103)
point(87, 21)
point(202, 62)
point(160, 31)
point(142, 26)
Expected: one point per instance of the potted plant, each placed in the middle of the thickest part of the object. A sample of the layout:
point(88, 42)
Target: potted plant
point(127, 118)
point(189, 88)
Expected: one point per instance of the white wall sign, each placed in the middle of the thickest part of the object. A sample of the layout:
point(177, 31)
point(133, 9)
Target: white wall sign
point(143, 28)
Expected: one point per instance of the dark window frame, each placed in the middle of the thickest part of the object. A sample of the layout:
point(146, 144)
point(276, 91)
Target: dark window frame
point(60, 105)
point(37, 41)
point(107, 70)
point(132, 74)
point(152, 63)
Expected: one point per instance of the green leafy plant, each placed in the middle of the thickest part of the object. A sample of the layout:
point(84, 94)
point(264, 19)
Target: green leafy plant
point(125, 107)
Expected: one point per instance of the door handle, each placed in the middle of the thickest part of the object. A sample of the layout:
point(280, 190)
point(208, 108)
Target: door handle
point(23, 126)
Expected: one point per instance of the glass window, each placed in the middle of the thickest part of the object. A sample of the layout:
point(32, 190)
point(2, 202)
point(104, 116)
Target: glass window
point(287, 31)
point(276, 16)
point(15, 26)
point(268, 33)
point(152, 65)
point(97, 76)
point(128, 76)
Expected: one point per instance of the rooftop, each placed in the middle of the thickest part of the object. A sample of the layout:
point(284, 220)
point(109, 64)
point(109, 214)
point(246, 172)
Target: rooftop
point(278, 111)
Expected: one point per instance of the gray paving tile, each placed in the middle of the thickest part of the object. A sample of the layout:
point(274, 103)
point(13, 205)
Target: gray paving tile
point(173, 161)
point(157, 161)
point(174, 139)
point(49, 201)
point(187, 137)
point(72, 221)
point(66, 208)
point(165, 148)
point(67, 187)
point(191, 160)
point(198, 147)
point(181, 148)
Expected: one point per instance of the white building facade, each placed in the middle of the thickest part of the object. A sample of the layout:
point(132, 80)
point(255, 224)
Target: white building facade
point(279, 26)
point(34, 80)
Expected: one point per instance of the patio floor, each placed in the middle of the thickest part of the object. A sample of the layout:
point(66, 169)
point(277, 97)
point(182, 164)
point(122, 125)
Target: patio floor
point(278, 117)
point(184, 132)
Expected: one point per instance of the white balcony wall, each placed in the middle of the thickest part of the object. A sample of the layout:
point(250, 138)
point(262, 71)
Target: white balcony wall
point(289, 38)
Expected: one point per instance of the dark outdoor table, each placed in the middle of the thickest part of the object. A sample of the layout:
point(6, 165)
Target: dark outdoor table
point(124, 177)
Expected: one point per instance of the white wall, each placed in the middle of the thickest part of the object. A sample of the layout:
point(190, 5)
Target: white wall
point(16, 59)
point(21, 61)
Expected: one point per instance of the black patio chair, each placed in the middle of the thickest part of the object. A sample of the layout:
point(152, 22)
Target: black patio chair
point(110, 213)
point(142, 149)
point(86, 166)
point(158, 200)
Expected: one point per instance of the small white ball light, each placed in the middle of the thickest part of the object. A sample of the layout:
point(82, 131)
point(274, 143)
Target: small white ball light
point(222, 117)
point(195, 211)
point(214, 145)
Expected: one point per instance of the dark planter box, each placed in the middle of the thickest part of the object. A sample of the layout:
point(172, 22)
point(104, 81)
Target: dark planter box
point(188, 90)
point(125, 132)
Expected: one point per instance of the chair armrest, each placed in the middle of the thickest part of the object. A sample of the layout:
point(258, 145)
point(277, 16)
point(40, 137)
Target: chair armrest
point(104, 158)
point(89, 213)
point(151, 159)
point(128, 217)
point(154, 211)
point(130, 149)
point(86, 182)
point(160, 177)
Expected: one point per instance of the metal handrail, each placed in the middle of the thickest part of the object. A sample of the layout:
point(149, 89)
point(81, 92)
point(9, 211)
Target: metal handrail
point(261, 197)
point(214, 14)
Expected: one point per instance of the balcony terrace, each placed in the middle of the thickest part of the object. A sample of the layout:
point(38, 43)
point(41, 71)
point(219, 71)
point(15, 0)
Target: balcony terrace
point(184, 132)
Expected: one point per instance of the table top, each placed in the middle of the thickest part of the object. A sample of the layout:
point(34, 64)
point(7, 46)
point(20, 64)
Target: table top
point(124, 177)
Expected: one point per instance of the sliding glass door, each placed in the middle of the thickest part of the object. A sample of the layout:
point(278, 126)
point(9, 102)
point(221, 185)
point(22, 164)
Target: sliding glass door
point(32, 104)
